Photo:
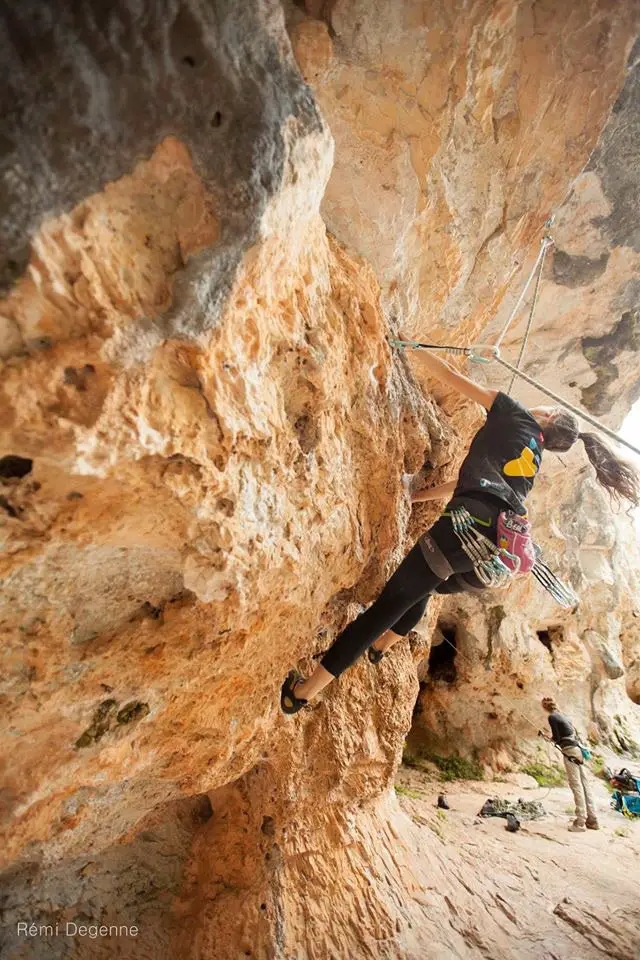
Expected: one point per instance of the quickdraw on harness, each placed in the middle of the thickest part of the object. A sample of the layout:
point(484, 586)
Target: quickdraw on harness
point(487, 558)
point(561, 592)
point(495, 566)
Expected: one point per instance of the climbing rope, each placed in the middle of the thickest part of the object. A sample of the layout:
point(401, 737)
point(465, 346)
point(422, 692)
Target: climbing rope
point(493, 350)
point(546, 243)
point(494, 354)
point(576, 411)
point(511, 702)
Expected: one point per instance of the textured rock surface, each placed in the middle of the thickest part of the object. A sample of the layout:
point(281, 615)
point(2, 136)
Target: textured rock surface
point(458, 130)
point(217, 431)
point(587, 335)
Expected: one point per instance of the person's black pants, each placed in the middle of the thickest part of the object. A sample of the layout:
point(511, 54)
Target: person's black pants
point(404, 599)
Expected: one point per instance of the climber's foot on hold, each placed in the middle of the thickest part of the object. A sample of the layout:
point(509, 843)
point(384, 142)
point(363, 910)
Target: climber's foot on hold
point(288, 701)
point(375, 656)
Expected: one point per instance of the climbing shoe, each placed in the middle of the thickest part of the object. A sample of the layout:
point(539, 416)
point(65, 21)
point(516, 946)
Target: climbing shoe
point(592, 824)
point(577, 827)
point(375, 656)
point(289, 703)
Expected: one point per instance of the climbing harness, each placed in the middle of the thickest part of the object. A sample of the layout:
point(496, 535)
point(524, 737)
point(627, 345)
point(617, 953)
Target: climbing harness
point(495, 566)
point(485, 353)
point(486, 557)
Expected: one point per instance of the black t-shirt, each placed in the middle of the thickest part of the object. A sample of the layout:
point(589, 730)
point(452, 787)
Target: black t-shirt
point(504, 456)
point(561, 728)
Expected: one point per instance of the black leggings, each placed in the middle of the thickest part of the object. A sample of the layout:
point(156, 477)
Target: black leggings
point(403, 600)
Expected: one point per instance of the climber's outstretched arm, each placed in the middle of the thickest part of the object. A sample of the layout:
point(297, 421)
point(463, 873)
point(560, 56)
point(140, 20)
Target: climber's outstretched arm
point(457, 381)
point(435, 493)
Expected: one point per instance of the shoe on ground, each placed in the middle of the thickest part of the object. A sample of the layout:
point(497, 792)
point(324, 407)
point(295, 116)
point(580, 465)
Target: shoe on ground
point(513, 824)
point(592, 824)
point(577, 827)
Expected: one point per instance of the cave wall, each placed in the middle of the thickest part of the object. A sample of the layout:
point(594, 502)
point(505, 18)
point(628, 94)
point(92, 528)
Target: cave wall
point(459, 128)
point(197, 370)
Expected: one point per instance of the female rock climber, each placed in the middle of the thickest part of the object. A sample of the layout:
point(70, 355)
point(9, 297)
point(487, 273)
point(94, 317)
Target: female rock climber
point(496, 475)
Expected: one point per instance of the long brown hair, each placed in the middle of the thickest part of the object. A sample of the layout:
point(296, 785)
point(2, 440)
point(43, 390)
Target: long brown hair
point(620, 479)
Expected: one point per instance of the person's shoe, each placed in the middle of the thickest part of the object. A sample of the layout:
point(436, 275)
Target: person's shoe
point(289, 703)
point(592, 823)
point(577, 827)
point(375, 656)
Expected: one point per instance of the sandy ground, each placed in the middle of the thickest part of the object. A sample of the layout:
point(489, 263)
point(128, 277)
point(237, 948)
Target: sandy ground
point(563, 896)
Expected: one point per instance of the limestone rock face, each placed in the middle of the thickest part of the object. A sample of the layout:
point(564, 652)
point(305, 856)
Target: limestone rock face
point(203, 433)
point(586, 334)
point(458, 130)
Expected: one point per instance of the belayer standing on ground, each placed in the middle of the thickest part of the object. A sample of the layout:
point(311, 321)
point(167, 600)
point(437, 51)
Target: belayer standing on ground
point(563, 734)
point(496, 476)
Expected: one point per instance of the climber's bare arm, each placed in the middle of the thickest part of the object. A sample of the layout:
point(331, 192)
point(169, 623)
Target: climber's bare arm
point(435, 493)
point(457, 381)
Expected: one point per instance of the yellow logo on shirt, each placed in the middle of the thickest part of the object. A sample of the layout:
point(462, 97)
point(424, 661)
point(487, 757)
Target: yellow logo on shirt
point(523, 466)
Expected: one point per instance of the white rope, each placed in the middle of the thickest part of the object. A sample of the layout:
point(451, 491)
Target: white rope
point(494, 351)
point(576, 411)
point(543, 249)
point(494, 354)
point(546, 243)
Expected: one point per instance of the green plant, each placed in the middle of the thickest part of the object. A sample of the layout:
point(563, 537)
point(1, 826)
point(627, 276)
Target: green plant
point(441, 815)
point(544, 774)
point(622, 832)
point(410, 759)
point(406, 792)
point(597, 765)
point(457, 768)
point(449, 768)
